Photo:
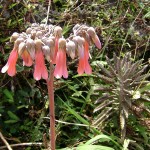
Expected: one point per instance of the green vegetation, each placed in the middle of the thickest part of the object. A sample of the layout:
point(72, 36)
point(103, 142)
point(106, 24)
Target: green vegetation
point(109, 109)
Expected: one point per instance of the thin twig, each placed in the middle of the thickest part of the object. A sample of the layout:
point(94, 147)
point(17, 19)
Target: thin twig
point(22, 144)
point(70, 123)
point(4, 140)
point(49, 5)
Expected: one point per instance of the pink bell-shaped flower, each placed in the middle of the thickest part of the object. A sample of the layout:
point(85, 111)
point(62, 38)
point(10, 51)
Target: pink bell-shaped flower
point(40, 70)
point(61, 67)
point(95, 39)
point(27, 60)
point(10, 66)
point(58, 34)
point(84, 65)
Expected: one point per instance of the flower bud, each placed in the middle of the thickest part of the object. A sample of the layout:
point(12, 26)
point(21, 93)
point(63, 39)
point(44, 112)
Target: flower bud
point(50, 42)
point(42, 26)
point(38, 44)
point(76, 27)
point(91, 32)
point(94, 37)
point(34, 25)
point(46, 51)
point(30, 45)
point(28, 31)
point(62, 43)
point(58, 31)
point(21, 48)
point(14, 36)
point(33, 34)
point(80, 40)
point(17, 42)
point(70, 48)
point(39, 34)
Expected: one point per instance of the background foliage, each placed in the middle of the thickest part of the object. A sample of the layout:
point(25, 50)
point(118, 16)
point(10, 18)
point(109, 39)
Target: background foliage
point(122, 27)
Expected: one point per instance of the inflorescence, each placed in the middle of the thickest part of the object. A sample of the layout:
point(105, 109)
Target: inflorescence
point(47, 41)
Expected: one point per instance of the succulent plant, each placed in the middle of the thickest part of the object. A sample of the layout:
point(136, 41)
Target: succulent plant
point(125, 91)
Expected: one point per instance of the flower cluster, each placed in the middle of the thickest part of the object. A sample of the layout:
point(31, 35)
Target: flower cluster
point(46, 41)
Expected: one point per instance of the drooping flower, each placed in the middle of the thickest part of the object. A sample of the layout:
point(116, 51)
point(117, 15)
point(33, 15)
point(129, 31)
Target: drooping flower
point(27, 60)
point(94, 37)
point(83, 52)
point(40, 70)
point(30, 46)
point(14, 36)
point(50, 43)
point(57, 34)
point(10, 66)
point(61, 67)
point(46, 51)
point(71, 49)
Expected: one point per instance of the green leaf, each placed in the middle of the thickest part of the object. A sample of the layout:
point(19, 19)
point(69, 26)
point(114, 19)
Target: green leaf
point(83, 75)
point(81, 119)
point(9, 95)
point(13, 116)
point(66, 29)
point(145, 88)
point(102, 136)
point(12, 5)
point(89, 147)
point(19, 68)
point(10, 121)
point(147, 15)
point(93, 147)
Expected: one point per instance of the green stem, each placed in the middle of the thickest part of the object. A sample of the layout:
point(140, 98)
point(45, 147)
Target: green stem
point(50, 86)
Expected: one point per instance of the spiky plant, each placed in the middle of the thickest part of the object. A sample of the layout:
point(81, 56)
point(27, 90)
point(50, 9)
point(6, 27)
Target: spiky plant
point(124, 93)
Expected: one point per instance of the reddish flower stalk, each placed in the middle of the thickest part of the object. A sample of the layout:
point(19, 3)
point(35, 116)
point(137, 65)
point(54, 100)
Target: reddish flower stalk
point(50, 86)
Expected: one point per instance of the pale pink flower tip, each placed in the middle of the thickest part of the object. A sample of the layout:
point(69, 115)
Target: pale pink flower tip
point(97, 42)
point(95, 39)
point(10, 66)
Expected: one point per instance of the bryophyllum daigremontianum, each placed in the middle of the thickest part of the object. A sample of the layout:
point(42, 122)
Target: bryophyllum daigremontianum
point(41, 42)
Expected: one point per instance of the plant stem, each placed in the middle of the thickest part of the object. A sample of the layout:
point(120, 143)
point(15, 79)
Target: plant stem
point(50, 86)
point(4, 140)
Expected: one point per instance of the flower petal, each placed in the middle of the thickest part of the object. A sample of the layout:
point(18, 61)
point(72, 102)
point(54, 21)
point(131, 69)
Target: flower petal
point(97, 42)
point(80, 69)
point(10, 66)
point(65, 72)
point(40, 68)
point(56, 50)
point(27, 60)
point(59, 64)
point(87, 67)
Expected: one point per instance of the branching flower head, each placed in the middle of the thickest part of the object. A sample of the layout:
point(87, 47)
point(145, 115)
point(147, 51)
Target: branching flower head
point(41, 42)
